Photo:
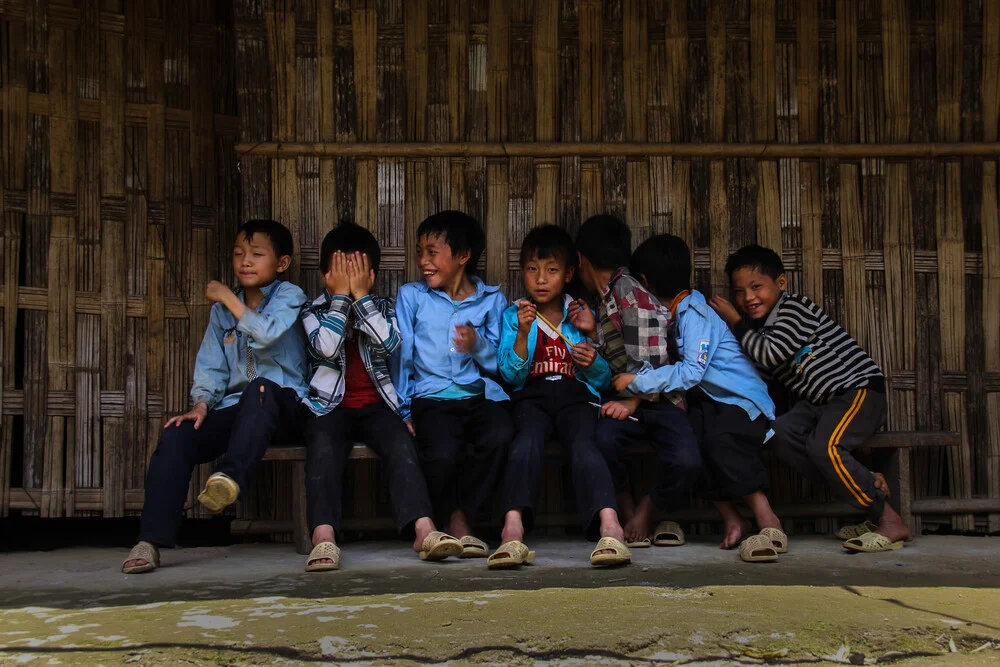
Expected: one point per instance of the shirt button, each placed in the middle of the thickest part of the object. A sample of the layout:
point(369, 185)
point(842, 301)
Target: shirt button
point(452, 349)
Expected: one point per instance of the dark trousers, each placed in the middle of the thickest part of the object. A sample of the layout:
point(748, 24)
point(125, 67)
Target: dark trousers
point(730, 447)
point(462, 445)
point(240, 434)
point(817, 440)
point(562, 406)
point(329, 440)
point(673, 440)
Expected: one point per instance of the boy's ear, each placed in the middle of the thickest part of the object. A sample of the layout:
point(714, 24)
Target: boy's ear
point(644, 281)
point(570, 272)
point(284, 262)
point(464, 256)
point(782, 282)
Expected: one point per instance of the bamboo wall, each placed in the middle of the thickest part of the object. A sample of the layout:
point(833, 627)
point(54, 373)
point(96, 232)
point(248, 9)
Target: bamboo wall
point(860, 136)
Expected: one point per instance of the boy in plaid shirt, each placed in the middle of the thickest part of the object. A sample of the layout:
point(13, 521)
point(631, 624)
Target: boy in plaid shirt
point(632, 335)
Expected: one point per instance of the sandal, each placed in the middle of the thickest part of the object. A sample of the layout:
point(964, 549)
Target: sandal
point(758, 549)
point(668, 534)
point(510, 554)
point(142, 551)
point(323, 550)
point(778, 539)
point(438, 546)
point(855, 530)
point(473, 547)
point(621, 555)
point(872, 543)
point(219, 493)
point(644, 543)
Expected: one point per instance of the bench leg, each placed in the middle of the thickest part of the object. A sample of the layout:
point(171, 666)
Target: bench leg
point(303, 540)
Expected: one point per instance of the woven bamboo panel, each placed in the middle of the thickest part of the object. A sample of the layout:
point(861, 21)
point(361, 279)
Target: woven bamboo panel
point(859, 137)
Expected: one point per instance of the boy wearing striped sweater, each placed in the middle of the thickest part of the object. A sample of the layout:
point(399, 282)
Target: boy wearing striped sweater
point(840, 389)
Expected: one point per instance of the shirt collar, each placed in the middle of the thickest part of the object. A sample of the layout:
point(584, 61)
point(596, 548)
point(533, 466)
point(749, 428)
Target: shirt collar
point(621, 271)
point(773, 315)
point(266, 291)
point(481, 288)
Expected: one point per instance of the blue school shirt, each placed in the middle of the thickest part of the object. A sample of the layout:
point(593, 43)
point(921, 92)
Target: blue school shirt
point(272, 331)
point(711, 358)
point(427, 362)
point(515, 370)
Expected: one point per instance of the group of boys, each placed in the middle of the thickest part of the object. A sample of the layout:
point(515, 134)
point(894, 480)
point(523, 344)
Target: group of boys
point(459, 392)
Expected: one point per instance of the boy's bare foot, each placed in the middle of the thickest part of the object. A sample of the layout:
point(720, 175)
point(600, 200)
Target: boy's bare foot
point(762, 512)
point(423, 527)
point(639, 527)
point(891, 525)
point(322, 534)
point(458, 525)
point(513, 527)
point(734, 527)
point(626, 507)
point(610, 527)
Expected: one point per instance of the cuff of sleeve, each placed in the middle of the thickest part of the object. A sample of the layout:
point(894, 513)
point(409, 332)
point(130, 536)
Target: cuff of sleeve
point(249, 321)
point(203, 398)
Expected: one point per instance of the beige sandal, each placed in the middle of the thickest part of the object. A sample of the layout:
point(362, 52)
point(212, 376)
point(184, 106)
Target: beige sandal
point(777, 538)
point(473, 547)
point(621, 555)
point(668, 534)
point(758, 549)
point(219, 493)
point(142, 551)
point(872, 543)
point(438, 546)
point(510, 554)
point(644, 543)
point(855, 530)
point(323, 550)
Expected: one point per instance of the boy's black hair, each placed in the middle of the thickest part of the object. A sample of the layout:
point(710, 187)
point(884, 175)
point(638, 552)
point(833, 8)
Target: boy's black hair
point(758, 258)
point(277, 233)
point(605, 241)
point(460, 231)
point(349, 237)
point(549, 241)
point(665, 261)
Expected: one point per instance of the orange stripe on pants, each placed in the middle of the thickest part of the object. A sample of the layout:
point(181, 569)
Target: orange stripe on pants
point(838, 463)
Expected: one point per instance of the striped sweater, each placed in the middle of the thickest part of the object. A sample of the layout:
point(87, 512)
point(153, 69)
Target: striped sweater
point(813, 356)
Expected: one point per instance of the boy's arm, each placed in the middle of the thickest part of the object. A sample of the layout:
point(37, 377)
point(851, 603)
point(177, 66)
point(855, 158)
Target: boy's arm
point(211, 370)
point(782, 341)
point(281, 314)
point(696, 332)
point(325, 329)
point(484, 353)
point(402, 360)
point(513, 369)
point(378, 320)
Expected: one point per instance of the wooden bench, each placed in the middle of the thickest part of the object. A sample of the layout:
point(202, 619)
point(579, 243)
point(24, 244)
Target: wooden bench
point(891, 451)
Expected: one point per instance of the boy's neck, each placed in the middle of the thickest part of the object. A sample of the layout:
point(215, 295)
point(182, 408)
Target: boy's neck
point(552, 310)
point(602, 277)
point(460, 289)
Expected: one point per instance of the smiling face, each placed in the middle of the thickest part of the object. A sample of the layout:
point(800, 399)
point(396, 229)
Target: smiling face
point(545, 279)
point(255, 262)
point(437, 263)
point(756, 293)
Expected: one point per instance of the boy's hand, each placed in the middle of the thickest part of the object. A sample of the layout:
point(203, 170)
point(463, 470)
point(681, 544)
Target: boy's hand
point(409, 427)
point(581, 317)
point(465, 338)
point(726, 310)
point(217, 292)
point(620, 409)
point(526, 313)
point(196, 414)
point(360, 275)
point(583, 354)
point(622, 381)
point(881, 484)
point(336, 279)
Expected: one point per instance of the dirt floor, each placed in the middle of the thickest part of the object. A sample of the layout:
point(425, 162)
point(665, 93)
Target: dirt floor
point(935, 602)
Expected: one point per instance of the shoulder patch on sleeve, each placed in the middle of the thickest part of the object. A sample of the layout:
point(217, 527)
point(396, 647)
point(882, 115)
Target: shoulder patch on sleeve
point(703, 346)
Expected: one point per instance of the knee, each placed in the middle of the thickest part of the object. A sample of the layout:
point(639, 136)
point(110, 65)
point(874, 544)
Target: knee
point(258, 388)
point(526, 450)
point(498, 438)
point(688, 461)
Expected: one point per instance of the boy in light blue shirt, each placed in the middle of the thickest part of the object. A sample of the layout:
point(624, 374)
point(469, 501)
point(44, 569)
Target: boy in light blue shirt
point(249, 383)
point(728, 404)
point(445, 372)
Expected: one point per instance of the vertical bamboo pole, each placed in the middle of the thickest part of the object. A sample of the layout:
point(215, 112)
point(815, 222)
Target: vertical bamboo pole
point(635, 52)
point(762, 87)
point(416, 64)
point(718, 205)
point(545, 72)
point(679, 198)
point(497, 129)
point(991, 244)
point(591, 50)
point(326, 37)
point(810, 196)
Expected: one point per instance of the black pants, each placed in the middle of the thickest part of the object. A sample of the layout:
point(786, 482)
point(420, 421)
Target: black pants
point(240, 434)
point(462, 446)
point(817, 440)
point(329, 440)
point(544, 406)
point(673, 440)
point(730, 447)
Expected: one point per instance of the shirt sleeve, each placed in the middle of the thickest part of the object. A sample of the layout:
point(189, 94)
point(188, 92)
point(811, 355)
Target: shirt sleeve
point(696, 353)
point(211, 369)
point(513, 369)
point(325, 329)
point(378, 320)
point(484, 353)
point(402, 360)
point(279, 315)
point(775, 345)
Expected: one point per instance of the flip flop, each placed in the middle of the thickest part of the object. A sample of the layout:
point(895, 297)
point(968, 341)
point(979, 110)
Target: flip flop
point(510, 554)
point(438, 546)
point(872, 543)
point(644, 543)
point(323, 550)
point(777, 538)
point(668, 534)
point(219, 493)
point(758, 549)
point(855, 530)
point(142, 551)
point(621, 555)
point(473, 547)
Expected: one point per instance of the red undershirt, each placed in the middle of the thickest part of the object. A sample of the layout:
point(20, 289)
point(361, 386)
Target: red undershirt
point(359, 390)
point(551, 358)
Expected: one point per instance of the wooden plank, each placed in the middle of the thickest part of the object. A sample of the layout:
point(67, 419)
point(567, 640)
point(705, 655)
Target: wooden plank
point(591, 51)
point(498, 198)
point(635, 52)
point(853, 248)
point(458, 67)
